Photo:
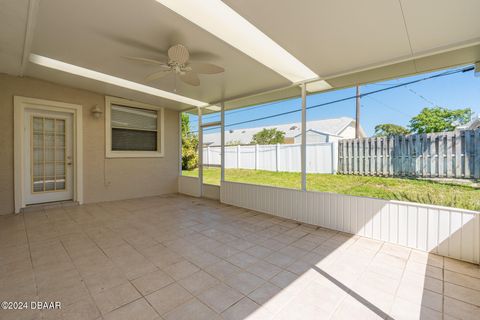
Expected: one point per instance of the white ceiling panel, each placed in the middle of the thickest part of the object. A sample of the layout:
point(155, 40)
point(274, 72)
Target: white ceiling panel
point(332, 37)
point(441, 24)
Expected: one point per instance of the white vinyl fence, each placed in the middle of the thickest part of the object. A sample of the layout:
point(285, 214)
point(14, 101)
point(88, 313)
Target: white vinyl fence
point(321, 157)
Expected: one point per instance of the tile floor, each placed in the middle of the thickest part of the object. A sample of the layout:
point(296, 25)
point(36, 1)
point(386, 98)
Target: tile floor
point(176, 257)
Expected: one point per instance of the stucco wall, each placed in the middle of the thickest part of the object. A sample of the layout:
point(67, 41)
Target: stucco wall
point(104, 179)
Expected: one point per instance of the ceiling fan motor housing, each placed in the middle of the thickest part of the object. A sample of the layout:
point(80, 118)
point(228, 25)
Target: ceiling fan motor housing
point(179, 54)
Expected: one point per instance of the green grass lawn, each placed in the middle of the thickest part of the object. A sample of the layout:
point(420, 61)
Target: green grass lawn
point(423, 191)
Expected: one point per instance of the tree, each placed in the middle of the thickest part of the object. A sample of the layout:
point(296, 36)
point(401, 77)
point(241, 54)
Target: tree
point(438, 119)
point(268, 136)
point(390, 129)
point(189, 145)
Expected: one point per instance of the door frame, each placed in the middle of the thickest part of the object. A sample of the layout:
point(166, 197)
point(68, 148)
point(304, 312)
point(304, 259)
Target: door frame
point(20, 104)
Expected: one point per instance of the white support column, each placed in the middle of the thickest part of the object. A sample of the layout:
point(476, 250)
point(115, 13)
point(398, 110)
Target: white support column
point(180, 143)
point(208, 156)
point(222, 144)
point(304, 138)
point(277, 160)
point(200, 152)
point(256, 157)
point(238, 156)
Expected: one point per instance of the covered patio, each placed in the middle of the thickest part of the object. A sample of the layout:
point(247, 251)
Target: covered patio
point(176, 257)
point(98, 222)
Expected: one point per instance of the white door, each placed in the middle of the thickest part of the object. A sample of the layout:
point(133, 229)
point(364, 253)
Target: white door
point(48, 154)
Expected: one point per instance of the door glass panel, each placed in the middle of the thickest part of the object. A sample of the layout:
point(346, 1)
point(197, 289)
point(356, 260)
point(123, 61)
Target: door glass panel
point(37, 184)
point(48, 154)
point(60, 141)
point(49, 169)
point(59, 169)
point(50, 184)
point(38, 140)
point(38, 125)
point(49, 125)
point(60, 183)
point(38, 170)
point(49, 140)
point(38, 154)
point(60, 127)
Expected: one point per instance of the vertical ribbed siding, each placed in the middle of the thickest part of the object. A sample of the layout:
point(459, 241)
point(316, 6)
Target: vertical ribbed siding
point(189, 186)
point(449, 232)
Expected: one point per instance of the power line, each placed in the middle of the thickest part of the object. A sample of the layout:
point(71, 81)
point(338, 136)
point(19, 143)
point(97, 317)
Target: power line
point(389, 107)
point(420, 96)
point(446, 73)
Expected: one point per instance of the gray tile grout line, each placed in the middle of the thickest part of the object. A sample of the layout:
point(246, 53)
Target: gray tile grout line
point(83, 280)
point(443, 289)
point(30, 255)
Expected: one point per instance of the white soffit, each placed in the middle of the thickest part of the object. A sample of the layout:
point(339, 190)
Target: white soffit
point(222, 21)
point(95, 75)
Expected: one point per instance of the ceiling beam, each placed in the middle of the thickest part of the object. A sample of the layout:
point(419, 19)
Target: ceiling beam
point(29, 33)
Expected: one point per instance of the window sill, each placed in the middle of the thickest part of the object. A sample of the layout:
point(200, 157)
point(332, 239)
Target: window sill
point(134, 154)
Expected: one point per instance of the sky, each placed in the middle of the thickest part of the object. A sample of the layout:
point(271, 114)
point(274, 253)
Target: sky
point(397, 106)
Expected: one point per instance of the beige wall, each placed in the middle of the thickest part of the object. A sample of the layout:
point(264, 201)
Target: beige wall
point(104, 179)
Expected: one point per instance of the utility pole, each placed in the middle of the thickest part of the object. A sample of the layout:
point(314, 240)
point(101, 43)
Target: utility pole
point(357, 114)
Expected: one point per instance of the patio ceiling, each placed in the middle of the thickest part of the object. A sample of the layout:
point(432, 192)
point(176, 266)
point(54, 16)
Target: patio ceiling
point(344, 42)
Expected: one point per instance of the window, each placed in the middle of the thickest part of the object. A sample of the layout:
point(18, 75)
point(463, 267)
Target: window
point(133, 129)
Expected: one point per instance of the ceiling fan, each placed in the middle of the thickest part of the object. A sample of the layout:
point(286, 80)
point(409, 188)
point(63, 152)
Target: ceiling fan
point(178, 63)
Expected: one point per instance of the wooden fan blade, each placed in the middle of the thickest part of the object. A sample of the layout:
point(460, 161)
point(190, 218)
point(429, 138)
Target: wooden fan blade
point(157, 75)
point(191, 78)
point(203, 56)
point(146, 60)
point(130, 42)
point(206, 68)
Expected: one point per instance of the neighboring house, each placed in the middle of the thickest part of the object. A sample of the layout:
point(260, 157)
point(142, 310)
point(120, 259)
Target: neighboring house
point(318, 131)
point(315, 136)
point(471, 125)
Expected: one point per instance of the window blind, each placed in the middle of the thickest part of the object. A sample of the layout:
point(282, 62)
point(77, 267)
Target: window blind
point(133, 129)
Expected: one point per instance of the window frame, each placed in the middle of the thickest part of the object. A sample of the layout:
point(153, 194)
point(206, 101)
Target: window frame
point(109, 153)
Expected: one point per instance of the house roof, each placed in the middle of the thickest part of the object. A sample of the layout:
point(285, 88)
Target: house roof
point(472, 124)
point(325, 126)
point(318, 132)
